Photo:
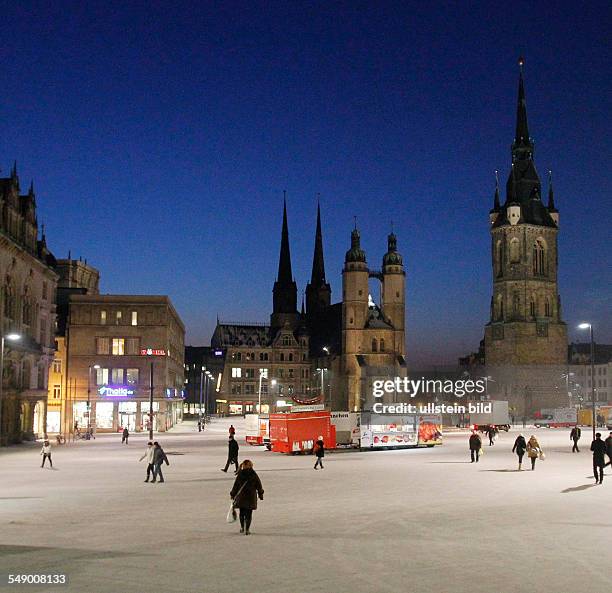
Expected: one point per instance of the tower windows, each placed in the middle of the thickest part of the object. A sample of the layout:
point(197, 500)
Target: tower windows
point(539, 258)
point(515, 251)
point(499, 259)
point(547, 309)
point(500, 308)
point(382, 345)
point(374, 345)
point(516, 305)
point(532, 307)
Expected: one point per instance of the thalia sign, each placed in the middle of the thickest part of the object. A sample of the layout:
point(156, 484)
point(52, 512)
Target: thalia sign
point(115, 391)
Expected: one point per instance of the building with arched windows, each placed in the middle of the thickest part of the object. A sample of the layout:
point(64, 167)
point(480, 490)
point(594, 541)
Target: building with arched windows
point(525, 327)
point(525, 341)
point(327, 353)
point(27, 306)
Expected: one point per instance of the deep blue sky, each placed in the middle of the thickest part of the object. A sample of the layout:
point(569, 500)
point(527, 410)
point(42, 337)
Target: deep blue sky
point(160, 138)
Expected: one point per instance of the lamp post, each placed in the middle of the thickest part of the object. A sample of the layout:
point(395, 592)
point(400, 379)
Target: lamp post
point(589, 326)
point(95, 366)
point(208, 378)
point(13, 337)
point(261, 374)
point(202, 369)
point(151, 405)
point(273, 383)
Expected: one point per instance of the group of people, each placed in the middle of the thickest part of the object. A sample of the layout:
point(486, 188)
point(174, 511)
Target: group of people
point(532, 447)
point(155, 457)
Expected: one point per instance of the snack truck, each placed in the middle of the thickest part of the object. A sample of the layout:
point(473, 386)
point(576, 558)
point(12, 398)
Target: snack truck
point(347, 428)
point(392, 431)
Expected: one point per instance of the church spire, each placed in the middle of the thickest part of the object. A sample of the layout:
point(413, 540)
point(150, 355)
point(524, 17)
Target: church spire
point(285, 274)
point(318, 265)
point(551, 197)
point(522, 147)
point(285, 289)
point(318, 291)
point(496, 202)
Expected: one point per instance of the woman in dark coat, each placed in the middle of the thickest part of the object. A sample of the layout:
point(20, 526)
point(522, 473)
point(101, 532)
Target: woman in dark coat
point(520, 446)
point(319, 451)
point(247, 489)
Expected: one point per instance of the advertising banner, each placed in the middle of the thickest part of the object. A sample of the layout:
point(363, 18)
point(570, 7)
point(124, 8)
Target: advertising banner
point(430, 430)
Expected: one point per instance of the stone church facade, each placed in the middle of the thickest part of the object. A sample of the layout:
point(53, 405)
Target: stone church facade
point(326, 352)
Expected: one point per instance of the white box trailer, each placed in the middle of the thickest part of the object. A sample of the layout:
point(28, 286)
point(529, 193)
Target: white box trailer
point(498, 416)
point(347, 428)
point(257, 429)
point(557, 418)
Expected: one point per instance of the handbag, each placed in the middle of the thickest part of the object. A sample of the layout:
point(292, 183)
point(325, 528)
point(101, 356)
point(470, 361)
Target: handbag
point(481, 451)
point(231, 513)
point(542, 456)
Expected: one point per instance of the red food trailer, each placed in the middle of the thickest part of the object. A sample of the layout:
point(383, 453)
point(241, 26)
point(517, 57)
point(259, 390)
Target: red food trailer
point(298, 431)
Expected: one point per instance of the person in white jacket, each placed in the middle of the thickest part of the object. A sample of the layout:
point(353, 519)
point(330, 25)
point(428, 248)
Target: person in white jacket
point(148, 455)
point(46, 454)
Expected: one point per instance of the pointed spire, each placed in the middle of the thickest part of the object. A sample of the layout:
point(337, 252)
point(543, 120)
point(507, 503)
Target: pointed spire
point(551, 197)
point(317, 277)
point(285, 275)
point(303, 311)
point(496, 202)
point(522, 128)
point(14, 170)
point(31, 190)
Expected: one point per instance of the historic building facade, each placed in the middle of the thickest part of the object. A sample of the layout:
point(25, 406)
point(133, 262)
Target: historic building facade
point(29, 281)
point(525, 338)
point(324, 353)
point(116, 349)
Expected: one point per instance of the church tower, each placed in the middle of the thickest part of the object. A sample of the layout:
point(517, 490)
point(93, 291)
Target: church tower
point(525, 326)
point(285, 289)
point(355, 276)
point(318, 291)
point(393, 293)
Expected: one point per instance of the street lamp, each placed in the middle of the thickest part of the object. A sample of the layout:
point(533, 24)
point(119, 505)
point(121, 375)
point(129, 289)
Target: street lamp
point(202, 369)
point(209, 378)
point(273, 383)
point(95, 366)
point(13, 337)
point(589, 326)
point(322, 370)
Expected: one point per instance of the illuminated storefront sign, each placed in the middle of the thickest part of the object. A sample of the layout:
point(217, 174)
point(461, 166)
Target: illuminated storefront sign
point(152, 352)
point(218, 352)
point(115, 391)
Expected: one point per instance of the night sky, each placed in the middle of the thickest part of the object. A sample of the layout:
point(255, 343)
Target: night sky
point(160, 138)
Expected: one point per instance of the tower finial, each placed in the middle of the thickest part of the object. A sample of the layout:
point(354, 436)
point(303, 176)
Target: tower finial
point(496, 201)
point(521, 137)
point(355, 222)
point(551, 197)
point(31, 190)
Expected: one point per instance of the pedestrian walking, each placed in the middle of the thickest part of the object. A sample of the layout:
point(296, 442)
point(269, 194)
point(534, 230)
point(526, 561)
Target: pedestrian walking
point(232, 430)
point(319, 451)
point(575, 435)
point(492, 432)
point(520, 446)
point(148, 455)
point(608, 443)
point(159, 457)
point(534, 450)
point(247, 489)
point(475, 446)
point(199, 426)
point(232, 454)
point(599, 458)
point(46, 454)
point(125, 435)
